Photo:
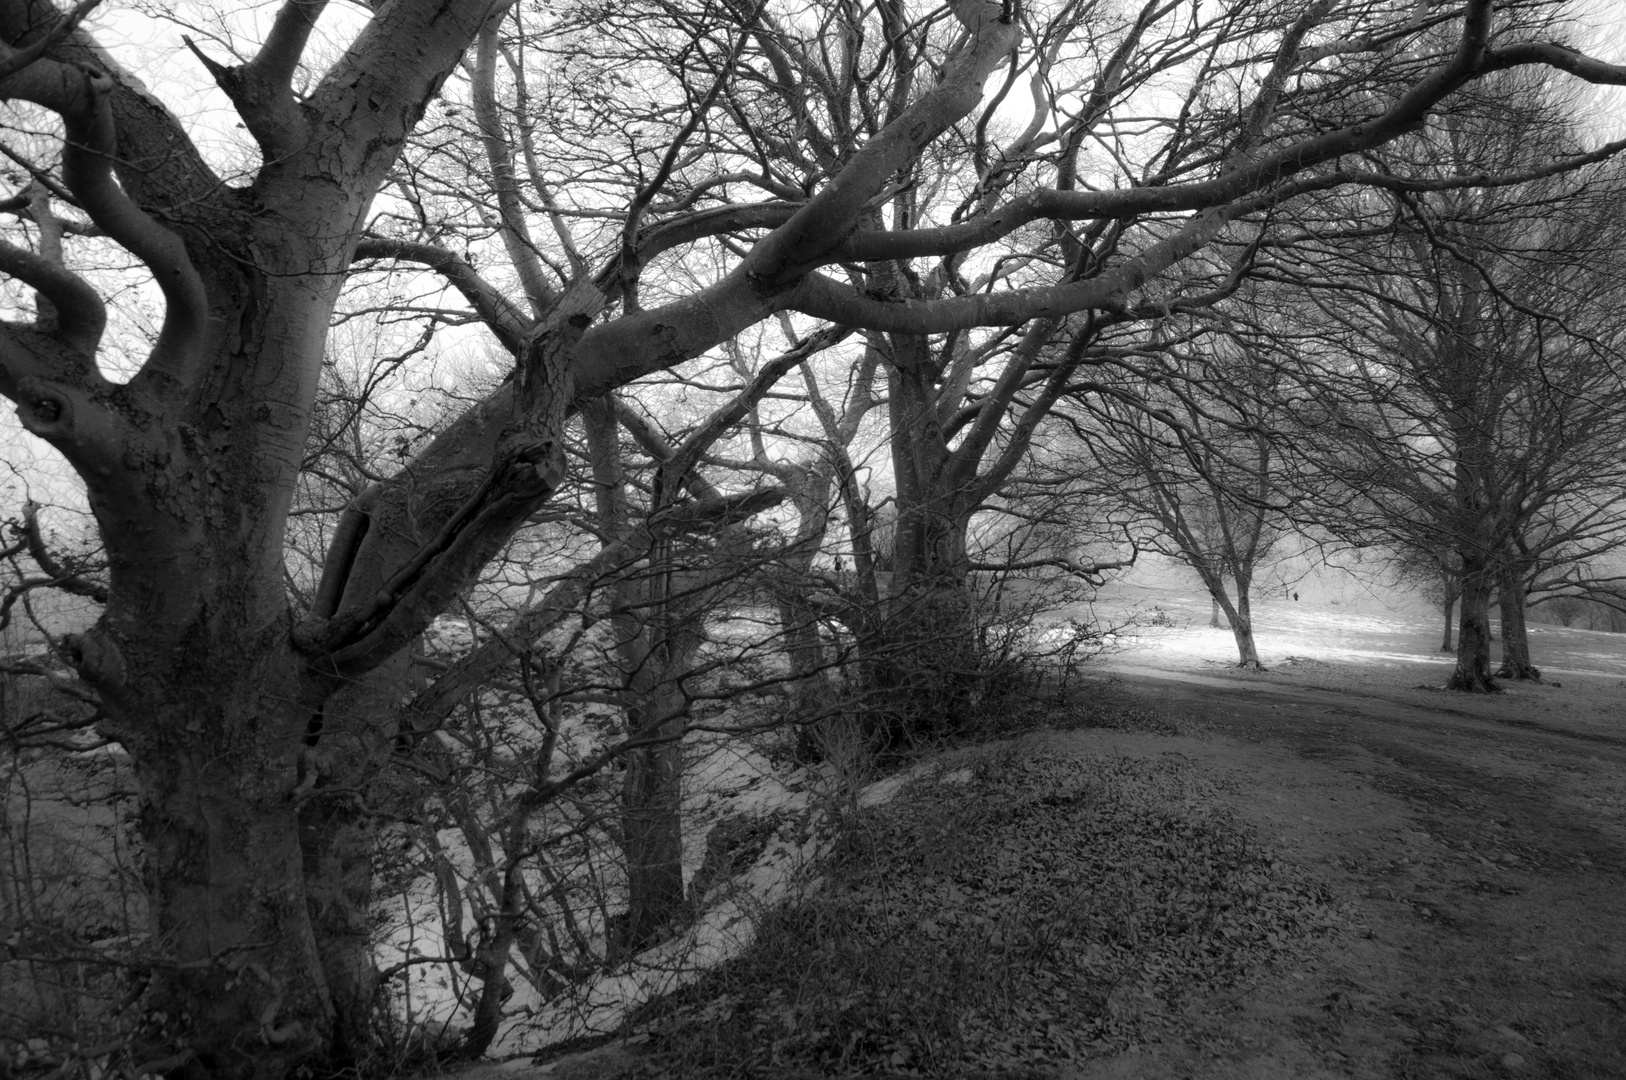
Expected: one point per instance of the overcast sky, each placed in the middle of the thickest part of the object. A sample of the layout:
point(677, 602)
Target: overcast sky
point(153, 48)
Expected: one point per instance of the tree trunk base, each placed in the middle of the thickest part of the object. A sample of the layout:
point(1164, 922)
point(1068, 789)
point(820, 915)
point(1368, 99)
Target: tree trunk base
point(1473, 684)
point(1519, 672)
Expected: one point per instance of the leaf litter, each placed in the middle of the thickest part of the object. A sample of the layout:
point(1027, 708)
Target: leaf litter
point(1037, 913)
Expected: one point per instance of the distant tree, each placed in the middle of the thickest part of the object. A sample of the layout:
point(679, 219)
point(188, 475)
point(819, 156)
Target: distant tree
point(1456, 389)
point(1565, 609)
point(1200, 470)
point(1438, 578)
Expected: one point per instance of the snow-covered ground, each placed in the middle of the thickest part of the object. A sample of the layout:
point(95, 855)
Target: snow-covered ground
point(1378, 638)
point(725, 781)
point(1376, 629)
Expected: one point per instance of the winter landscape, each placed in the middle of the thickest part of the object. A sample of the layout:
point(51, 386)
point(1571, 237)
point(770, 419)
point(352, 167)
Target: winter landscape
point(812, 538)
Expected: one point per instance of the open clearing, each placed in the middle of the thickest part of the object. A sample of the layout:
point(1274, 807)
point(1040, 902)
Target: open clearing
point(1476, 847)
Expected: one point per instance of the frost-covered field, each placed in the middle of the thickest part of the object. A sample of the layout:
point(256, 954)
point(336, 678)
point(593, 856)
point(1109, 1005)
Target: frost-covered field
point(1375, 630)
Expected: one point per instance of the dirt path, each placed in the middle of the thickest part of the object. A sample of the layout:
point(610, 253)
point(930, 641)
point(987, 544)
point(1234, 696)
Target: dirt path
point(1482, 844)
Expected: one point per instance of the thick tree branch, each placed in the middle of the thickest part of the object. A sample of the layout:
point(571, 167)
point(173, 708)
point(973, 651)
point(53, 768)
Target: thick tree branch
point(824, 298)
point(495, 466)
point(1554, 55)
point(82, 98)
point(14, 60)
point(284, 46)
point(157, 163)
point(262, 89)
point(806, 241)
point(365, 105)
point(78, 312)
point(697, 225)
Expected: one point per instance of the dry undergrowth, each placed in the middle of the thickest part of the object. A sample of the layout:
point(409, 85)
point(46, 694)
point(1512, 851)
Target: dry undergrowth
point(1017, 915)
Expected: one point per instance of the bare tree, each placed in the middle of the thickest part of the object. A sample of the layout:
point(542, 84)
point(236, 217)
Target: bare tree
point(224, 693)
point(1183, 429)
point(1436, 572)
point(1462, 383)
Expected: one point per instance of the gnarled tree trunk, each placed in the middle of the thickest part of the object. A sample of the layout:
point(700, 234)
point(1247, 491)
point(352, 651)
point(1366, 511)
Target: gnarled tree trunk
point(190, 465)
point(214, 721)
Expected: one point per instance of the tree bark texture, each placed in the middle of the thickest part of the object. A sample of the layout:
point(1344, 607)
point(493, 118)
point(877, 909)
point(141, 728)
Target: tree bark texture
point(656, 642)
point(1242, 628)
point(811, 694)
point(923, 649)
point(1516, 662)
point(652, 817)
point(1472, 672)
point(241, 982)
point(1238, 615)
point(343, 784)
